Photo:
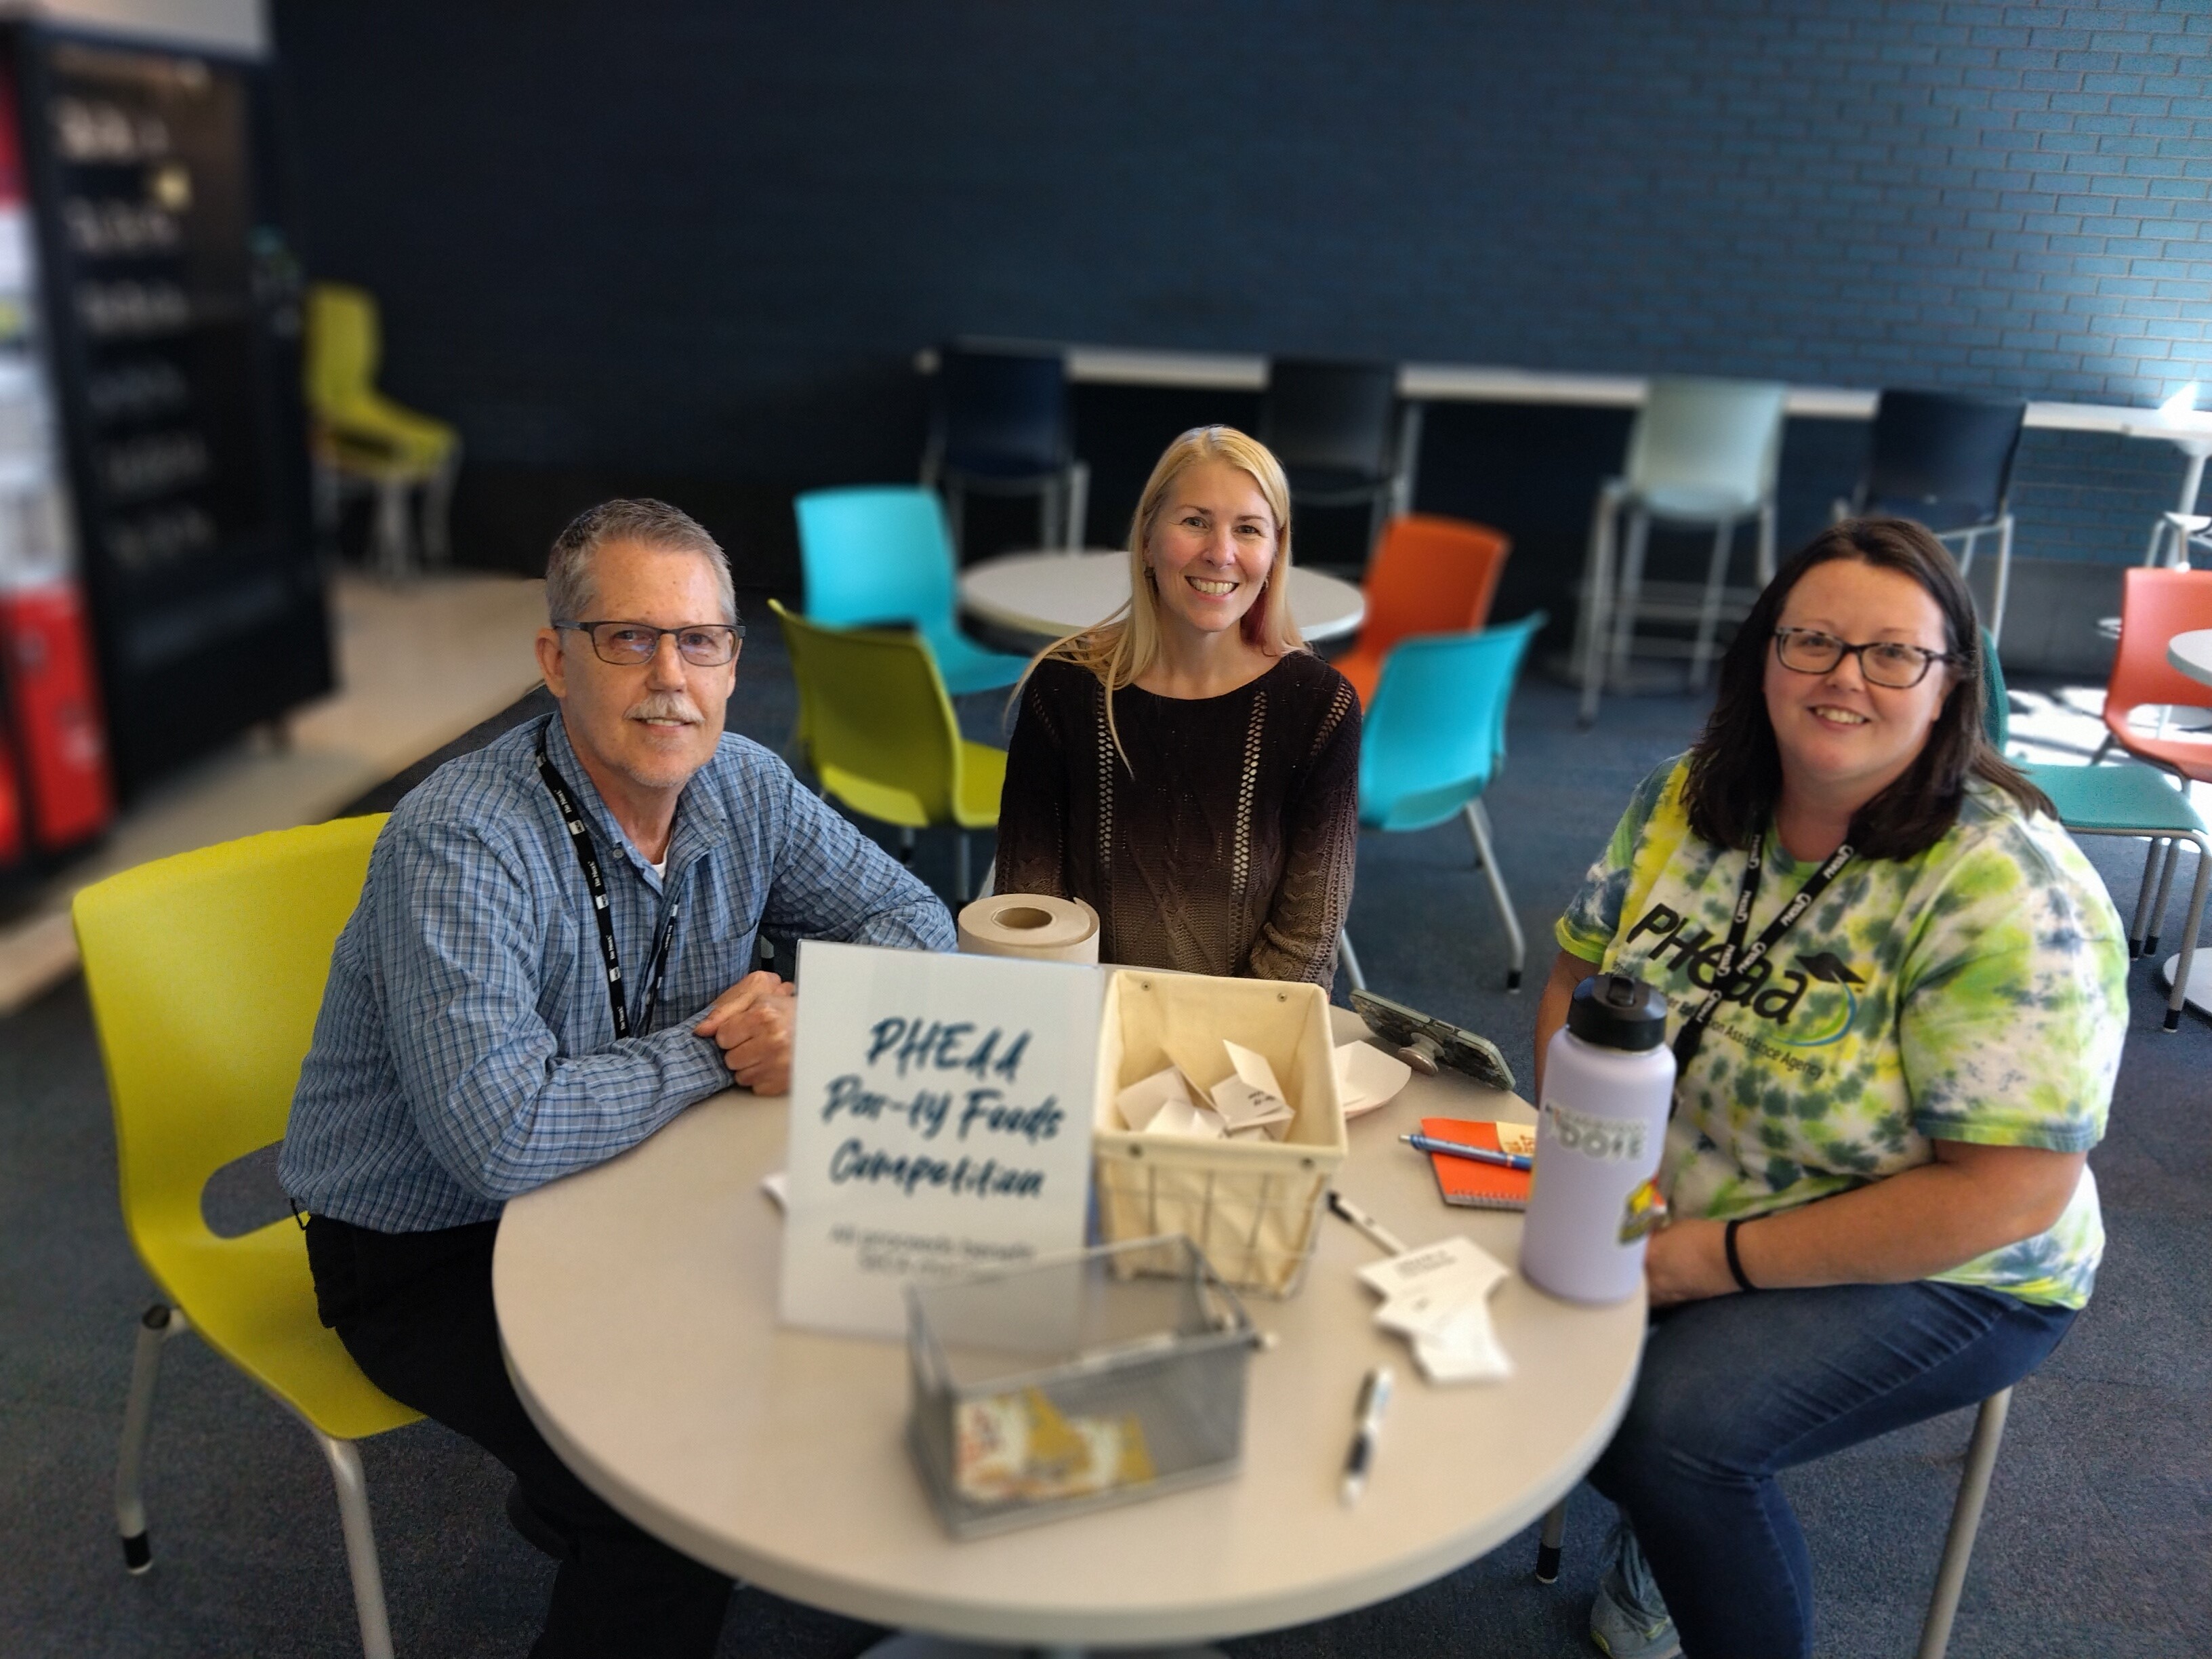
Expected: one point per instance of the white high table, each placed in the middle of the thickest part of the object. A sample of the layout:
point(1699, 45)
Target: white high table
point(1050, 594)
point(637, 1308)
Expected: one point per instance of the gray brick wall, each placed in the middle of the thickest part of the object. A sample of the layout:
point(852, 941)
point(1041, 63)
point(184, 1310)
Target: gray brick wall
point(705, 238)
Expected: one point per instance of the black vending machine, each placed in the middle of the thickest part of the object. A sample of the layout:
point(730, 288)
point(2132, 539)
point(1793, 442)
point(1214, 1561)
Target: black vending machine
point(165, 300)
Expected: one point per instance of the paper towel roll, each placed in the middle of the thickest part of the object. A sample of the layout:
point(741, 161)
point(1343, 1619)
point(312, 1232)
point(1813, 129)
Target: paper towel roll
point(1033, 925)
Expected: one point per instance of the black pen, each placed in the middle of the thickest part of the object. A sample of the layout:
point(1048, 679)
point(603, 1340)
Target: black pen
point(1374, 1401)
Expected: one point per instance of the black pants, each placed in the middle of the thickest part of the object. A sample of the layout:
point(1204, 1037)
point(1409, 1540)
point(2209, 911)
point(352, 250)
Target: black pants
point(414, 1310)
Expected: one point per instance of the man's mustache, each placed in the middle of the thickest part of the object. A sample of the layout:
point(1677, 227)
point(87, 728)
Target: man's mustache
point(667, 706)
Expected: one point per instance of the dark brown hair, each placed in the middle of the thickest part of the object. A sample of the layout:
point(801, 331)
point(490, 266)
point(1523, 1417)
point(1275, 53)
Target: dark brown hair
point(1735, 768)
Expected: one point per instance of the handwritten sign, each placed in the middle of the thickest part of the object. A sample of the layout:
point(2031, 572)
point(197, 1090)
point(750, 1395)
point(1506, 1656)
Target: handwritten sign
point(940, 1124)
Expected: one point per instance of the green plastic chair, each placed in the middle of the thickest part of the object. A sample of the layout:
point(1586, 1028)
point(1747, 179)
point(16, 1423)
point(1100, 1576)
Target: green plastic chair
point(364, 442)
point(2121, 800)
point(1432, 739)
point(880, 732)
point(206, 972)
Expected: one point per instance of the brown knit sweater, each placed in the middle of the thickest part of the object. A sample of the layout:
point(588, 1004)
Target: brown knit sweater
point(1223, 845)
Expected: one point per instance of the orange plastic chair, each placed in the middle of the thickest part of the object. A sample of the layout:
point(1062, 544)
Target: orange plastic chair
point(2154, 606)
point(1430, 575)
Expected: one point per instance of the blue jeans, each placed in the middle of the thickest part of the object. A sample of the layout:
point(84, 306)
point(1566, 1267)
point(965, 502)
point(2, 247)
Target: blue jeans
point(1738, 1388)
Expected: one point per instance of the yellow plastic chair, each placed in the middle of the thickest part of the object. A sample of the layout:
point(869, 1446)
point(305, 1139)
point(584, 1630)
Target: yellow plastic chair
point(366, 443)
point(205, 972)
point(880, 732)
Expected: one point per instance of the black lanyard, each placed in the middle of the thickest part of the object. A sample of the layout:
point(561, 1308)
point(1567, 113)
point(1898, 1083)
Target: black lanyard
point(1692, 1034)
point(588, 856)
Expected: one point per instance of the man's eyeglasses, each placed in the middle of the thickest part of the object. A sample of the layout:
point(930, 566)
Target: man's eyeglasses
point(1884, 662)
point(627, 644)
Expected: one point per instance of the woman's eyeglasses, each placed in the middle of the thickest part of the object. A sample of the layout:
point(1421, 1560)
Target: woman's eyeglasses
point(1884, 662)
point(703, 645)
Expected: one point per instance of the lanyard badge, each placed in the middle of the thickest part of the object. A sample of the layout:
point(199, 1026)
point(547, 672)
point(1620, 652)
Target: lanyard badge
point(1735, 961)
point(580, 837)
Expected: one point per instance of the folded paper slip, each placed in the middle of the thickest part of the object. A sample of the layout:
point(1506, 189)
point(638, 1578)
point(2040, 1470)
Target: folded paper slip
point(1476, 1186)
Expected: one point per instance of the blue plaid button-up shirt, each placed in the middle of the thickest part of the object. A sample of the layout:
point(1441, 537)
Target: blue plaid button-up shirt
point(465, 1051)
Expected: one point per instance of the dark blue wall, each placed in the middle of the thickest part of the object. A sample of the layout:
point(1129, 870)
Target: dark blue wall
point(705, 240)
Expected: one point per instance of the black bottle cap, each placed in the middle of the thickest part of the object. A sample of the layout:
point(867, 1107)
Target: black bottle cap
point(1616, 1011)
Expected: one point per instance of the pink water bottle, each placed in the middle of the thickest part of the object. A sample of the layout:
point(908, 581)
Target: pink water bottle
point(1608, 1086)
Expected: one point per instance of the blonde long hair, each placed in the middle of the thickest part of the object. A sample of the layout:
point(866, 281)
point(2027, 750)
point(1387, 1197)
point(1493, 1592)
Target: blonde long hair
point(1125, 645)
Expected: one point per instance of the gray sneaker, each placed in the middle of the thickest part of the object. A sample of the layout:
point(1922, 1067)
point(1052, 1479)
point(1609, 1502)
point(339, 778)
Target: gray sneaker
point(1629, 1618)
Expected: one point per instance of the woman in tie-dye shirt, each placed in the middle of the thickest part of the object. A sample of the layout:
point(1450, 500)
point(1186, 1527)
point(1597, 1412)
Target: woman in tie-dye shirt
point(1881, 1207)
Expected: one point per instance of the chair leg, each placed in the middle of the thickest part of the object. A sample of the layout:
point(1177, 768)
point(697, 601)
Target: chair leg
point(1709, 606)
point(1405, 480)
point(2165, 891)
point(1478, 824)
point(955, 499)
point(2179, 994)
point(906, 848)
point(960, 869)
point(159, 1323)
point(326, 498)
point(1596, 613)
point(1965, 1521)
point(1079, 506)
point(2004, 580)
point(1051, 531)
point(1351, 961)
point(360, 1544)
point(2157, 539)
point(394, 539)
point(2143, 897)
point(1632, 592)
point(1547, 1546)
point(438, 511)
point(1765, 566)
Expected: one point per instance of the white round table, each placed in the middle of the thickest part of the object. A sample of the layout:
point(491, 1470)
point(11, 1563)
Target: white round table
point(2191, 653)
point(637, 1309)
point(1049, 594)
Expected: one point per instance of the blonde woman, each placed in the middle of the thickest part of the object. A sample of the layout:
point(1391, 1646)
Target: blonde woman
point(1188, 766)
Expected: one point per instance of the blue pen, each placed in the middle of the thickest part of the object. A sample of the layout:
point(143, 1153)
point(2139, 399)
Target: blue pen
point(1472, 1154)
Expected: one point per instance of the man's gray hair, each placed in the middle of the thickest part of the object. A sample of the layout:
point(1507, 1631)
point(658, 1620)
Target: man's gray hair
point(569, 594)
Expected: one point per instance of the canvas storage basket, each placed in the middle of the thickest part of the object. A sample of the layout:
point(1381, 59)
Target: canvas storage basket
point(1252, 1207)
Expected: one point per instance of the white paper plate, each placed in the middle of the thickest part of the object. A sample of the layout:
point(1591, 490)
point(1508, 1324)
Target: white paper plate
point(1367, 1078)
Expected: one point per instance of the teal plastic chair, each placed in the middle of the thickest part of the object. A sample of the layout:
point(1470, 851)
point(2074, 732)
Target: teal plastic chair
point(879, 553)
point(1433, 738)
point(2121, 800)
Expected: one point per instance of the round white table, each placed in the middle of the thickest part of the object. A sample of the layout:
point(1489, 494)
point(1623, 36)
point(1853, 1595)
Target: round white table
point(1049, 594)
point(2191, 653)
point(637, 1308)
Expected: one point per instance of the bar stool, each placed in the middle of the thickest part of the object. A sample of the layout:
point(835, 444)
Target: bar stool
point(1342, 435)
point(1702, 453)
point(1945, 461)
point(1000, 426)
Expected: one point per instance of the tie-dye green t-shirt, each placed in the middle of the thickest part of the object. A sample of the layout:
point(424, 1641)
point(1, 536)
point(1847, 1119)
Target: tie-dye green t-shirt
point(1977, 992)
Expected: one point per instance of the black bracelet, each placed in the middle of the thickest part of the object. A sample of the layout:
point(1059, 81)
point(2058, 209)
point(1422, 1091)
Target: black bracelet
point(1736, 1262)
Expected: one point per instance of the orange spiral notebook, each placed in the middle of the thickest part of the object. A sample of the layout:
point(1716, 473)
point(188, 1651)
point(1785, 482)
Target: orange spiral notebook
point(1462, 1181)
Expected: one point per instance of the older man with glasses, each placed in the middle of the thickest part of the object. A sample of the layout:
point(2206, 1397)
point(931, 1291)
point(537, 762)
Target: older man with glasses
point(553, 956)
